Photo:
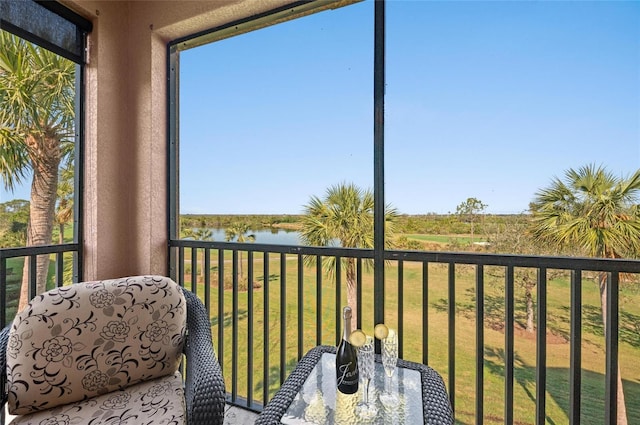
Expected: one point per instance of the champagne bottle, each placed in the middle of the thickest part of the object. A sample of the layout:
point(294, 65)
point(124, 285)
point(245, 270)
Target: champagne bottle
point(346, 360)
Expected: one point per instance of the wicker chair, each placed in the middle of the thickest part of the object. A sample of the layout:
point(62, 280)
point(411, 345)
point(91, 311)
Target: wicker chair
point(109, 352)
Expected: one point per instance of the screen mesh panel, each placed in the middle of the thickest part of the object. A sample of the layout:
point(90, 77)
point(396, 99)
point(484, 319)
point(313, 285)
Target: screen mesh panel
point(49, 24)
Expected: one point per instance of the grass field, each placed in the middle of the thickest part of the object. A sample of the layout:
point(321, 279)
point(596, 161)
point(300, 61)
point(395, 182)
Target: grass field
point(14, 280)
point(557, 391)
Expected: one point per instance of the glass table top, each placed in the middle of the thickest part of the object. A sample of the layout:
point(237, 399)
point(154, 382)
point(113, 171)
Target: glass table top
point(317, 402)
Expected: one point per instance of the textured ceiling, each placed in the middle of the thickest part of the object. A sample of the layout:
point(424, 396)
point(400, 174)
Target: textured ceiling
point(176, 19)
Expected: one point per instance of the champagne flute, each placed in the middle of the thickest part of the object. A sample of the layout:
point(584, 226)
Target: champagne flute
point(366, 354)
point(389, 361)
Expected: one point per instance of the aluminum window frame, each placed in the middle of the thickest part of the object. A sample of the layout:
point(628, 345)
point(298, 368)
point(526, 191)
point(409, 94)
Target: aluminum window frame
point(274, 16)
point(46, 23)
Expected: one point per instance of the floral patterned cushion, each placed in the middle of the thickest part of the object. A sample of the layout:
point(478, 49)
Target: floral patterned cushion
point(160, 401)
point(84, 340)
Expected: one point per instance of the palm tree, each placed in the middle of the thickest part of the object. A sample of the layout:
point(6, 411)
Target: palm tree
point(597, 212)
point(240, 232)
point(64, 209)
point(344, 216)
point(199, 234)
point(37, 98)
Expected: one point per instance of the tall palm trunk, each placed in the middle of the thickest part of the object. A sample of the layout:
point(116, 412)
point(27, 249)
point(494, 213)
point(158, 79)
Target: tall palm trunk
point(528, 291)
point(61, 233)
point(45, 158)
point(621, 406)
point(352, 298)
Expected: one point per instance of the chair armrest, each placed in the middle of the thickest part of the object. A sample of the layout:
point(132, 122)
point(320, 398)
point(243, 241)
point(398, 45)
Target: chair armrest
point(204, 387)
point(4, 338)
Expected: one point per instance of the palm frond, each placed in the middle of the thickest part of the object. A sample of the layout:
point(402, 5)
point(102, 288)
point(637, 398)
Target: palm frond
point(592, 210)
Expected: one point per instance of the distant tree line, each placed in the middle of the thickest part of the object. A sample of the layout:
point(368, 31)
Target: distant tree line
point(14, 217)
point(429, 224)
point(253, 221)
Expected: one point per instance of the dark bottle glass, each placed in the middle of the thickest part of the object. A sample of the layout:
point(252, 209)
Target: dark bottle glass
point(346, 359)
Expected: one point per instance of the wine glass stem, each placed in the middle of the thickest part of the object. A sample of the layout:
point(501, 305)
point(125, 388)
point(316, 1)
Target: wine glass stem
point(387, 384)
point(366, 392)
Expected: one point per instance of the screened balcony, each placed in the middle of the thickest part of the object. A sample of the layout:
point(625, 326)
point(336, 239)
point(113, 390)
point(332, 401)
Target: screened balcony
point(461, 313)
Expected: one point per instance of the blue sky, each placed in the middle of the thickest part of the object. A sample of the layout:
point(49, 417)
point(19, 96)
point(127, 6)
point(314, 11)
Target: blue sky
point(483, 99)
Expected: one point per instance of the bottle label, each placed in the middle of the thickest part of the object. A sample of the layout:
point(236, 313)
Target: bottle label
point(347, 377)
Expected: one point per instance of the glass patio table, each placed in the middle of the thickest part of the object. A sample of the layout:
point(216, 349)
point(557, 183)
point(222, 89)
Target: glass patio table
point(309, 395)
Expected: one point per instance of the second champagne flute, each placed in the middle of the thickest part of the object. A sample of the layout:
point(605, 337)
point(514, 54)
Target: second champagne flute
point(389, 361)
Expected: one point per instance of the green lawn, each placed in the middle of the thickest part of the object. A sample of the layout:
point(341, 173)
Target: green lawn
point(525, 347)
point(14, 280)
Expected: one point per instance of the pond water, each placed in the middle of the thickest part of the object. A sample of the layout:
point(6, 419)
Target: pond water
point(271, 237)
